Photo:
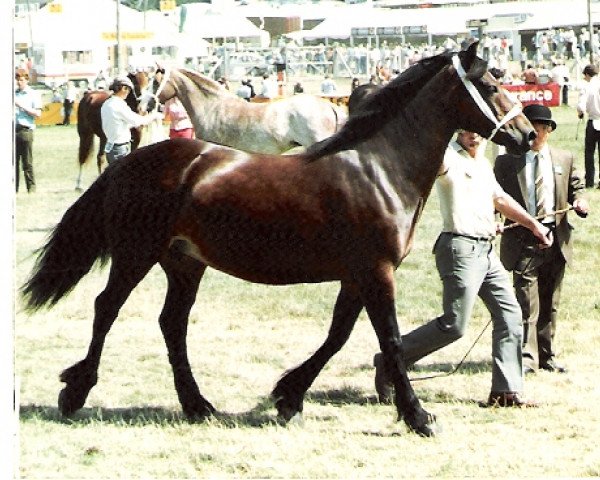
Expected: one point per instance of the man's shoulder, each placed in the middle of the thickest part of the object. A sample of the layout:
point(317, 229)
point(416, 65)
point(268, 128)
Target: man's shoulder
point(560, 154)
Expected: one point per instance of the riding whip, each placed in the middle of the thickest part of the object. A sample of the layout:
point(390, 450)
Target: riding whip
point(540, 217)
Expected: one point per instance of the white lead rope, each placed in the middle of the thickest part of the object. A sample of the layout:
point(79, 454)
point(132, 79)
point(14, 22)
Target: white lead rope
point(483, 106)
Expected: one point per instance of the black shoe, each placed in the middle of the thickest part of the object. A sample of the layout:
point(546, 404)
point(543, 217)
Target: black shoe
point(383, 385)
point(552, 366)
point(508, 399)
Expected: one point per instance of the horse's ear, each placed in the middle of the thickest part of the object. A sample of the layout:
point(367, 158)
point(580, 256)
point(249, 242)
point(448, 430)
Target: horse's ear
point(474, 66)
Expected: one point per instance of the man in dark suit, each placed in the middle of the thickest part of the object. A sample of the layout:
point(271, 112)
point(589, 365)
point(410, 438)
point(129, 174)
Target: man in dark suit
point(545, 183)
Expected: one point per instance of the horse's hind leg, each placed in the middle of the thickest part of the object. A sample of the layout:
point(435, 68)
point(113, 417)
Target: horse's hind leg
point(289, 391)
point(81, 377)
point(100, 155)
point(183, 274)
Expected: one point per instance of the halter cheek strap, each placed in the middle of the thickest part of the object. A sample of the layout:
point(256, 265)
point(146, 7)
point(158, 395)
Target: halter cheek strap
point(483, 106)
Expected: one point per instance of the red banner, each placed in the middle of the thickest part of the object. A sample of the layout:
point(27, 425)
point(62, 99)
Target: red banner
point(547, 94)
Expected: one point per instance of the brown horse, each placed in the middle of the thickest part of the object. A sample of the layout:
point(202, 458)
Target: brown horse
point(89, 122)
point(330, 214)
point(271, 127)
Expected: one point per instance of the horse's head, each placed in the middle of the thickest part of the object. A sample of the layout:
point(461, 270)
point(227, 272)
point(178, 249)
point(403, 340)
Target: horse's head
point(489, 109)
point(165, 91)
point(140, 83)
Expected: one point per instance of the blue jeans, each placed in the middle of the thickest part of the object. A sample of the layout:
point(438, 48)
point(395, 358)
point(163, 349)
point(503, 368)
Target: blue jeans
point(470, 268)
point(118, 151)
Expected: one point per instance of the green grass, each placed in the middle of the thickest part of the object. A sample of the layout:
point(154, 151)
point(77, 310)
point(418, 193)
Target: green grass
point(242, 337)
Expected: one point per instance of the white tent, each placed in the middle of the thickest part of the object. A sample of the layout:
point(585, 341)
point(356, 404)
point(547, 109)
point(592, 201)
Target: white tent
point(209, 23)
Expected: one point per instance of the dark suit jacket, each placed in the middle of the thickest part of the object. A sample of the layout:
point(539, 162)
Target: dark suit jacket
point(510, 173)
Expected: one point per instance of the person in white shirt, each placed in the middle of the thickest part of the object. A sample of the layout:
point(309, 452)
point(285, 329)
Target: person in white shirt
point(118, 119)
point(469, 267)
point(589, 102)
point(70, 98)
point(269, 87)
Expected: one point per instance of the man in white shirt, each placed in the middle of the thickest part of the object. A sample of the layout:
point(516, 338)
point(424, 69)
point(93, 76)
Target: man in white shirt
point(589, 102)
point(469, 267)
point(118, 119)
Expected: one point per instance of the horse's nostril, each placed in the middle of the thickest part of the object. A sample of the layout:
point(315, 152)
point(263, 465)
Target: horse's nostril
point(532, 136)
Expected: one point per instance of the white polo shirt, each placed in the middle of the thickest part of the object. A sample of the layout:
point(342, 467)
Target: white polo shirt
point(467, 192)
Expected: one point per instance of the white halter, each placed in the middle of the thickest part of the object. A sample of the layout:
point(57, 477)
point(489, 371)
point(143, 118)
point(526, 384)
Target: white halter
point(484, 107)
point(148, 93)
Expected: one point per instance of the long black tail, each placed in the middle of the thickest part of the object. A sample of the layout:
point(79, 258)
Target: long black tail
point(72, 249)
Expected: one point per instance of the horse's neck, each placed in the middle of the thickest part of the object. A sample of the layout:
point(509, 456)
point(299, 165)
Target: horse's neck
point(204, 106)
point(429, 118)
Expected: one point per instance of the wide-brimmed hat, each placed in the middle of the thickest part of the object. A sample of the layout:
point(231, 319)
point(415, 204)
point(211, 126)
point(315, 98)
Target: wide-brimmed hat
point(121, 80)
point(539, 113)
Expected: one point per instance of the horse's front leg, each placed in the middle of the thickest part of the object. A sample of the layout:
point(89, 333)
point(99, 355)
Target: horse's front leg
point(289, 391)
point(183, 274)
point(378, 294)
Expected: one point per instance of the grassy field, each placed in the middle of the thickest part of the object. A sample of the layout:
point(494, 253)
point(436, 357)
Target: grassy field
point(242, 337)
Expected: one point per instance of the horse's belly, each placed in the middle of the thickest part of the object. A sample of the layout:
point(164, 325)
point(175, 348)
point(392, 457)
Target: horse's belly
point(266, 256)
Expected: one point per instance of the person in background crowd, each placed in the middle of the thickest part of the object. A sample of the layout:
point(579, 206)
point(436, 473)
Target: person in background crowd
point(158, 77)
point(181, 125)
point(251, 87)
point(118, 119)
point(544, 181)
point(468, 267)
point(328, 86)
point(269, 87)
point(28, 107)
point(355, 83)
point(530, 75)
point(68, 102)
point(298, 88)
point(560, 75)
point(243, 91)
point(589, 102)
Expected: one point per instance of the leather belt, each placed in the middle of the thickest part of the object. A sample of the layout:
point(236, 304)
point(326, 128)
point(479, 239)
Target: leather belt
point(471, 237)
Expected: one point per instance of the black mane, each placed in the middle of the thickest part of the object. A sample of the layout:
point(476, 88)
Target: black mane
point(380, 106)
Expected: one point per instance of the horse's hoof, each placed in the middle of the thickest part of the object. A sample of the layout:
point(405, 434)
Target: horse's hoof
point(199, 412)
point(66, 405)
point(286, 412)
point(429, 428)
point(297, 420)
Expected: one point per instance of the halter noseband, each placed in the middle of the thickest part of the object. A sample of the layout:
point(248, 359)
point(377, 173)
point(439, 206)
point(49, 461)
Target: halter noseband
point(483, 106)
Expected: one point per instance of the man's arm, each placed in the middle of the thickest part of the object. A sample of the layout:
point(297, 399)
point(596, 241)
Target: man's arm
point(512, 210)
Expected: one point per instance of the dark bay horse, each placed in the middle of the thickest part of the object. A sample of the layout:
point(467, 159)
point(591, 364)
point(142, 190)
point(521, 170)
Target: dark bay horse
point(270, 127)
point(89, 123)
point(345, 210)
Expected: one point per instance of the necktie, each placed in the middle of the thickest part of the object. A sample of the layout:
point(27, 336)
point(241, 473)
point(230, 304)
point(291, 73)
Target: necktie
point(540, 194)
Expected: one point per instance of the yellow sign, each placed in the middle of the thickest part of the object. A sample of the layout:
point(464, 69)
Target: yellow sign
point(141, 35)
point(55, 7)
point(166, 5)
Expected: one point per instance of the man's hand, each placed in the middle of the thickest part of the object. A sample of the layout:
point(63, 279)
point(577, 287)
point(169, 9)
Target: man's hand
point(544, 235)
point(581, 207)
